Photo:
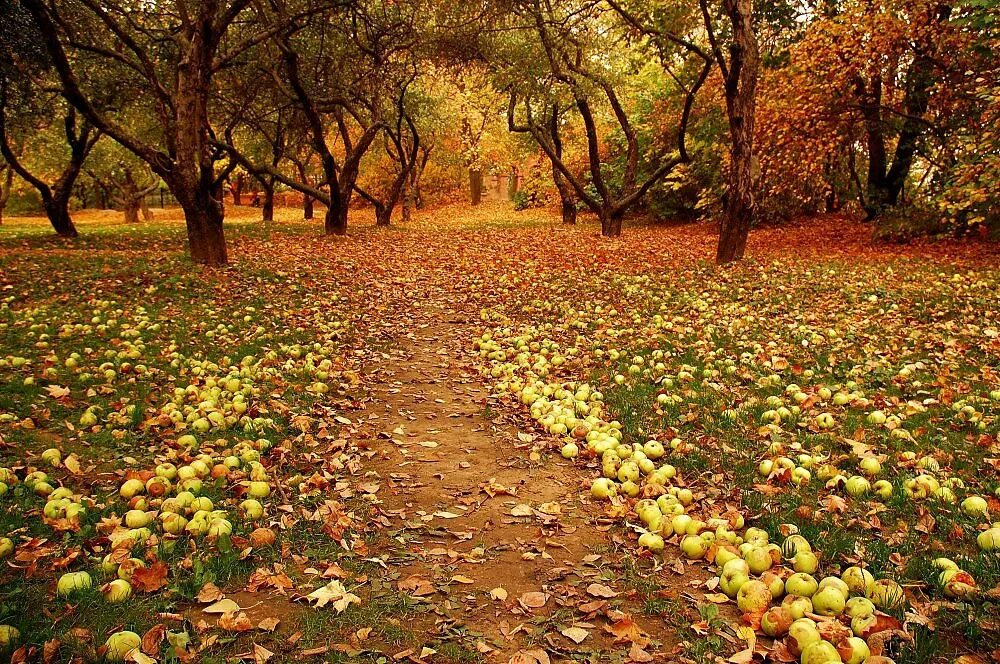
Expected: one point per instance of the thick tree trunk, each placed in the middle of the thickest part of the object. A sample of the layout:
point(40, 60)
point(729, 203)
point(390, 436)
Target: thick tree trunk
point(476, 186)
point(307, 207)
point(203, 218)
point(131, 212)
point(147, 214)
point(5, 189)
point(267, 207)
point(192, 177)
point(741, 94)
point(383, 215)
point(57, 210)
point(335, 222)
point(568, 211)
point(566, 199)
point(611, 223)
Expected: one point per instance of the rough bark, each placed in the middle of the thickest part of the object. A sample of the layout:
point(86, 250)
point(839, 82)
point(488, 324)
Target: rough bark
point(267, 204)
point(567, 201)
point(475, 185)
point(6, 185)
point(408, 201)
point(307, 206)
point(740, 76)
point(236, 189)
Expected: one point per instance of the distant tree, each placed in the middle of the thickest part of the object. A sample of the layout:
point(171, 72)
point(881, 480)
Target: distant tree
point(568, 43)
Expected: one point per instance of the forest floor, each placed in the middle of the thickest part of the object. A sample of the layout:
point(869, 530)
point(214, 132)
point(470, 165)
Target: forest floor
point(441, 514)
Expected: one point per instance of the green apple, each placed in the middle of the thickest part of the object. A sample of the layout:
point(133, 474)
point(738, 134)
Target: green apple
point(801, 584)
point(858, 580)
point(820, 652)
point(828, 601)
point(776, 621)
point(753, 597)
point(120, 645)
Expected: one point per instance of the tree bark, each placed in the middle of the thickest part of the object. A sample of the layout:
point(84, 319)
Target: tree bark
point(236, 189)
point(335, 222)
point(740, 78)
point(57, 210)
point(267, 206)
point(611, 222)
point(5, 188)
point(476, 185)
point(408, 201)
point(307, 207)
point(192, 180)
point(203, 218)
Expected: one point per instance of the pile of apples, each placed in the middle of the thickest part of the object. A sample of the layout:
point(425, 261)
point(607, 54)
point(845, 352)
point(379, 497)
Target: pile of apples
point(820, 621)
point(158, 505)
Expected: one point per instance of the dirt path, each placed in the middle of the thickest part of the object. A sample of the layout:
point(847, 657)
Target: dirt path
point(502, 541)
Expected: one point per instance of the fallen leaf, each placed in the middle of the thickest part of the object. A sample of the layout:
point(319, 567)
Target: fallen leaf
point(600, 590)
point(223, 606)
point(575, 634)
point(333, 592)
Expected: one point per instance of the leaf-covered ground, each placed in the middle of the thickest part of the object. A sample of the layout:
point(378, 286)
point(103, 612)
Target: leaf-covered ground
point(387, 447)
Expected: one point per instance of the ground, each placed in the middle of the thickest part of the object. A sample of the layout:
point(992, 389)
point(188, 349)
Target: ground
point(381, 387)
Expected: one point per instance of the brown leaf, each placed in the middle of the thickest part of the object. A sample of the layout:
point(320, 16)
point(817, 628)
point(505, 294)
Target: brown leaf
point(268, 624)
point(150, 579)
point(209, 593)
point(600, 590)
point(152, 639)
point(532, 656)
point(235, 622)
point(261, 654)
point(533, 599)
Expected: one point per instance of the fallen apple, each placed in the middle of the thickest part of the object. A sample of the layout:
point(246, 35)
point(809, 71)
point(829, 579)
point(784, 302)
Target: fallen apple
point(117, 591)
point(853, 650)
point(886, 595)
point(858, 580)
point(72, 582)
point(776, 621)
point(820, 652)
point(801, 634)
point(797, 606)
point(120, 645)
point(828, 601)
point(753, 597)
point(801, 584)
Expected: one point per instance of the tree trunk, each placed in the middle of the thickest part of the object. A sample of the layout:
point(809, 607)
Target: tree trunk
point(5, 186)
point(147, 214)
point(611, 222)
point(741, 93)
point(203, 218)
point(383, 215)
point(131, 211)
point(335, 222)
point(236, 189)
point(408, 201)
point(267, 207)
point(307, 207)
point(476, 185)
point(57, 210)
point(192, 176)
point(568, 211)
point(566, 198)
